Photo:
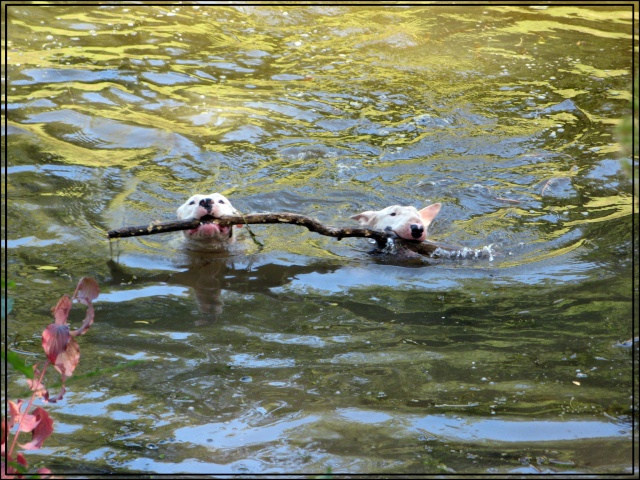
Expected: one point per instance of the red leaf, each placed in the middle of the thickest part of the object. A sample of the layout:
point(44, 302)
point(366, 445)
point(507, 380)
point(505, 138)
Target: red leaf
point(37, 387)
point(55, 339)
point(67, 361)
point(87, 290)
point(26, 421)
point(21, 460)
point(14, 413)
point(61, 348)
point(43, 430)
point(57, 397)
point(61, 310)
point(86, 323)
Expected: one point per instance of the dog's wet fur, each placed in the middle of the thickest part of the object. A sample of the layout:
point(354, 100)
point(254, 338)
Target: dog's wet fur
point(406, 222)
point(208, 235)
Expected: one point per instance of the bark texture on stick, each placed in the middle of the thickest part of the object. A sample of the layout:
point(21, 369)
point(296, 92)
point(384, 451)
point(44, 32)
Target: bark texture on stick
point(152, 228)
point(424, 248)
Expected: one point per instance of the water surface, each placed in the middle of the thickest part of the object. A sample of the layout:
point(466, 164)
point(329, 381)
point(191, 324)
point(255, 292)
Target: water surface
point(309, 355)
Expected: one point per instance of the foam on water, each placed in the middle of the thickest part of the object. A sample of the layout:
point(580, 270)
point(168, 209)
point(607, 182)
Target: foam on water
point(472, 253)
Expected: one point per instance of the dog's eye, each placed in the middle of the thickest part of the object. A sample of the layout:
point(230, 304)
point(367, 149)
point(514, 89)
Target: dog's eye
point(220, 201)
point(192, 202)
point(393, 214)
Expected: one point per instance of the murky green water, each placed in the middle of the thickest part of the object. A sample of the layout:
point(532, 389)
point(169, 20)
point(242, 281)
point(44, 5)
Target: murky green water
point(309, 354)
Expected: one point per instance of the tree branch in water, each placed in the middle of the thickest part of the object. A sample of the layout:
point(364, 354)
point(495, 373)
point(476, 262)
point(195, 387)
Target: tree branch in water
point(381, 238)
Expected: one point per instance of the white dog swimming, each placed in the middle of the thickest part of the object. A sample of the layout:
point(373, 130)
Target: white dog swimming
point(206, 208)
point(408, 223)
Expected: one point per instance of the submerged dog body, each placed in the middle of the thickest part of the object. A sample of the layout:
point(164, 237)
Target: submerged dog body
point(206, 208)
point(406, 222)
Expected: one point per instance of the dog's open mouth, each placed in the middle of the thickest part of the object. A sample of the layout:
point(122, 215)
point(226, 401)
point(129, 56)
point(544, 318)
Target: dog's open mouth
point(208, 229)
point(207, 219)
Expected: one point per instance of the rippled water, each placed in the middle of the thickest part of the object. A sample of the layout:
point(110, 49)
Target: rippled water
point(309, 355)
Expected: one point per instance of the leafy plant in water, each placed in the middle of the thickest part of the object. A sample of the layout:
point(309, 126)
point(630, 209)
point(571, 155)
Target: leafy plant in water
point(63, 352)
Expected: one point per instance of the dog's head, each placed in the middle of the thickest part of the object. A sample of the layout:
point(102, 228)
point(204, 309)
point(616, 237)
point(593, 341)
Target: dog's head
point(406, 222)
point(206, 208)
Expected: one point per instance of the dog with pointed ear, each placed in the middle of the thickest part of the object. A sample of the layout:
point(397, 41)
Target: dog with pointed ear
point(406, 222)
point(207, 208)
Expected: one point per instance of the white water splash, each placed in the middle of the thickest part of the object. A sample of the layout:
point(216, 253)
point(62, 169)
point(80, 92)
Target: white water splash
point(473, 253)
point(390, 247)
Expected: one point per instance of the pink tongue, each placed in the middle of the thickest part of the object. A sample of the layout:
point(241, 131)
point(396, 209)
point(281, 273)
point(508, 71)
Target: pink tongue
point(208, 228)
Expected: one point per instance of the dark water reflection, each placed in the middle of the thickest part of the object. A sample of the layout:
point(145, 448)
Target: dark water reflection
point(309, 354)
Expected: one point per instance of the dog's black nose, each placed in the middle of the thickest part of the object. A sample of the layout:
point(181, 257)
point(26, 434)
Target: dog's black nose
point(206, 204)
point(416, 230)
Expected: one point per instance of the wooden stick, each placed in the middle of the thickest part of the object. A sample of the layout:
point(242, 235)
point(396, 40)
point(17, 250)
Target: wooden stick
point(152, 228)
point(424, 248)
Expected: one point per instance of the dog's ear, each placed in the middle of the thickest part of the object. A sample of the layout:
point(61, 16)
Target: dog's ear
point(364, 218)
point(429, 213)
